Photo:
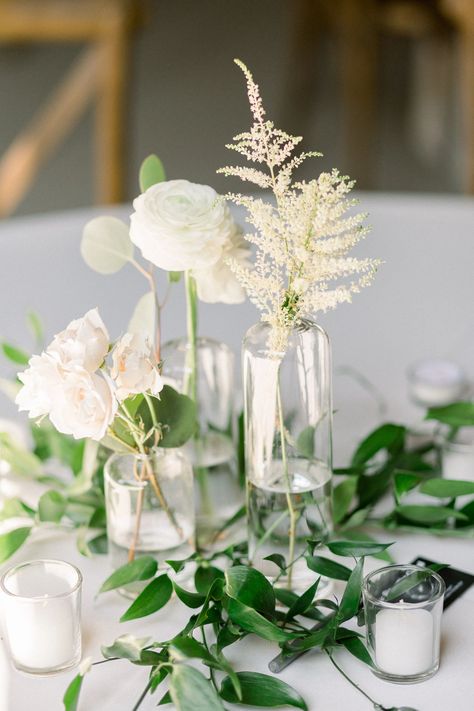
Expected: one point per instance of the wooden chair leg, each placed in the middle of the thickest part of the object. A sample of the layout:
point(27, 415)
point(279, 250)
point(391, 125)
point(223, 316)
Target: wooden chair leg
point(110, 124)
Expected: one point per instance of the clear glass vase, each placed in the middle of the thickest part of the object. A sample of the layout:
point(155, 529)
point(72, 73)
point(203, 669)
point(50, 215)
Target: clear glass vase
point(288, 447)
point(207, 375)
point(149, 503)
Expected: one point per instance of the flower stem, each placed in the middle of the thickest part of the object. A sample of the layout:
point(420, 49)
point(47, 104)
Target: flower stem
point(291, 510)
point(356, 686)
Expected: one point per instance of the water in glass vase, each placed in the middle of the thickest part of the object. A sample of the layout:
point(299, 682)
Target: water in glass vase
point(292, 506)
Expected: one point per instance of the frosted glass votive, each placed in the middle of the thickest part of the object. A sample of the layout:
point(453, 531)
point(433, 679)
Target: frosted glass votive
point(403, 606)
point(41, 610)
point(434, 383)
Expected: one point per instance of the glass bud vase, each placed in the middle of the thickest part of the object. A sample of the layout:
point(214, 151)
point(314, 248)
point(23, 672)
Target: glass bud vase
point(213, 451)
point(288, 447)
point(149, 504)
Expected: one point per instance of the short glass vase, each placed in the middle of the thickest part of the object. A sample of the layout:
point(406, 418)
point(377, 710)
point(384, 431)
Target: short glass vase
point(403, 606)
point(206, 373)
point(149, 505)
point(288, 426)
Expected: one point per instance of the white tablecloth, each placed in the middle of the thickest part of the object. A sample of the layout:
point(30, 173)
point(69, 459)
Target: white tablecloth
point(420, 306)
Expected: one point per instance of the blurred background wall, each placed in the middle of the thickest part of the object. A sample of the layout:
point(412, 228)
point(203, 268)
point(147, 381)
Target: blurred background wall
point(186, 98)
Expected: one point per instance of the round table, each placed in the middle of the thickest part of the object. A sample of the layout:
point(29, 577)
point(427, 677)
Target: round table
point(420, 306)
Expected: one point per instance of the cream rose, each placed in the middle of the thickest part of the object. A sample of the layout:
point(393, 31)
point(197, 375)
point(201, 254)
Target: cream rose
point(134, 368)
point(84, 343)
point(85, 405)
point(41, 382)
point(179, 225)
point(218, 282)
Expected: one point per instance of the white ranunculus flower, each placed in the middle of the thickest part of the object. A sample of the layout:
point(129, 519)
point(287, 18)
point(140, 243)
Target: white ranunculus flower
point(134, 368)
point(85, 405)
point(218, 283)
point(41, 382)
point(179, 225)
point(84, 342)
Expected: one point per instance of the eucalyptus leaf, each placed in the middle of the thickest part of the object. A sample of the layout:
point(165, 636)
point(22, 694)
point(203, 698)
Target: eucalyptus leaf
point(429, 514)
point(261, 690)
point(71, 697)
point(52, 506)
point(327, 567)
point(106, 246)
point(151, 172)
point(151, 599)
point(15, 355)
point(175, 412)
point(252, 621)
point(126, 647)
point(388, 437)
point(142, 568)
point(251, 588)
point(10, 542)
point(342, 497)
point(191, 691)
point(447, 488)
point(143, 321)
point(357, 548)
point(459, 414)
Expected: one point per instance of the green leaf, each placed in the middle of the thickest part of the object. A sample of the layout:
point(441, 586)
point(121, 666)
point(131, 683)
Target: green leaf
point(360, 536)
point(191, 691)
point(278, 559)
point(410, 581)
point(252, 621)
point(51, 506)
point(429, 514)
point(342, 497)
point(35, 326)
point(327, 567)
point(301, 604)
point(142, 568)
point(351, 598)
point(357, 648)
point(99, 544)
point(106, 246)
point(357, 548)
point(261, 690)
point(126, 647)
point(459, 414)
point(188, 647)
point(151, 172)
point(403, 482)
point(205, 576)
point(165, 699)
point(174, 277)
point(305, 442)
point(11, 541)
point(16, 355)
point(15, 508)
point(152, 598)
point(447, 488)
point(190, 599)
point(251, 588)
point(71, 697)
point(175, 412)
point(389, 437)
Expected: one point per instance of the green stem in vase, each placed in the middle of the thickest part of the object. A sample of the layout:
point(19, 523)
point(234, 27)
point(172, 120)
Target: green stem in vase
point(291, 510)
point(190, 389)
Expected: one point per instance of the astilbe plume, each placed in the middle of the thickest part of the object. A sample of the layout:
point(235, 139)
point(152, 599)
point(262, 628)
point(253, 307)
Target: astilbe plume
point(302, 238)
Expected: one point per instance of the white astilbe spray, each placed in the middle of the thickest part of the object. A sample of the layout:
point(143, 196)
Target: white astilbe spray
point(303, 239)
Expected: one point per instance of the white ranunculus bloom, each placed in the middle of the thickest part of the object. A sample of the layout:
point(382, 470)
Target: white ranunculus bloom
point(179, 225)
point(84, 342)
point(85, 405)
point(41, 382)
point(218, 283)
point(134, 368)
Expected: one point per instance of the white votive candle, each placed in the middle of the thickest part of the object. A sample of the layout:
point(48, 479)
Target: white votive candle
point(41, 615)
point(404, 641)
point(434, 383)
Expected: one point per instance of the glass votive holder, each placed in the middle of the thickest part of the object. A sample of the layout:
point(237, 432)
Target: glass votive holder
point(434, 382)
point(457, 454)
point(41, 610)
point(403, 606)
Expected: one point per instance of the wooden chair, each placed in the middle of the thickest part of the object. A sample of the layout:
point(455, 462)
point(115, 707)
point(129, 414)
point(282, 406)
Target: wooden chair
point(100, 73)
point(358, 26)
